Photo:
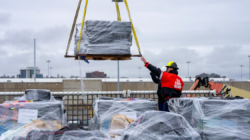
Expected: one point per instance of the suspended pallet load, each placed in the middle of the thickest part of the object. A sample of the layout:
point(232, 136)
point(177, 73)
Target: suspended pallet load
point(103, 40)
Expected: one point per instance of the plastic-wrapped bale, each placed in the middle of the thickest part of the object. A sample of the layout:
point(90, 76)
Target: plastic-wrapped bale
point(104, 37)
point(44, 134)
point(183, 106)
point(158, 125)
point(84, 135)
point(218, 118)
point(37, 95)
point(18, 118)
point(64, 134)
point(114, 115)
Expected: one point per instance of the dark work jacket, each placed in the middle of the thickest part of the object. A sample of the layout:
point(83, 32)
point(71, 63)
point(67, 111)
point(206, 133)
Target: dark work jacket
point(157, 81)
point(171, 83)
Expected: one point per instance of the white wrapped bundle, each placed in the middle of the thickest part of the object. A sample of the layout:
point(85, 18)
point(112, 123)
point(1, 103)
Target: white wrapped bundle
point(158, 125)
point(36, 110)
point(114, 115)
point(215, 118)
point(104, 37)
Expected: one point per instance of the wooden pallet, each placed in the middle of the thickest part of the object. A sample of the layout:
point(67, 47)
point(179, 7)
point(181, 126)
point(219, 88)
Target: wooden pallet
point(105, 57)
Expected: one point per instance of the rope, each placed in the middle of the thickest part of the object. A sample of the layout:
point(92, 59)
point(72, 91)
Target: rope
point(81, 80)
point(73, 26)
point(133, 29)
point(118, 10)
point(83, 19)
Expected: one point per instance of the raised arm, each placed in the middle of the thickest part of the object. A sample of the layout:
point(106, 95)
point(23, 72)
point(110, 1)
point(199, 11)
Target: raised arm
point(156, 71)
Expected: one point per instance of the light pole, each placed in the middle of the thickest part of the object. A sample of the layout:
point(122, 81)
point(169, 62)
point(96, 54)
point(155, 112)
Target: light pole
point(139, 72)
point(50, 72)
point(249, 66)
point(34, 60)
point(48, 66)
point(188, 62)
point(241, 70)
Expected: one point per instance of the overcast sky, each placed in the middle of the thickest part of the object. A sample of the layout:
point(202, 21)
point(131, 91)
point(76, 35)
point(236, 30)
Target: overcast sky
point(213, 34)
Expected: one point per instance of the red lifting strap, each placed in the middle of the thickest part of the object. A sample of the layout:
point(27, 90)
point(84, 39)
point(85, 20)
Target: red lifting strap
point(168, 98)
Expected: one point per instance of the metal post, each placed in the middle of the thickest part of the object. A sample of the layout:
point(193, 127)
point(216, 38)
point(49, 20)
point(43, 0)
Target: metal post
point(48, 66)
point(50, 72)
point(139, 72)
point(34, 60)
point(241, 70)
point(188, 67)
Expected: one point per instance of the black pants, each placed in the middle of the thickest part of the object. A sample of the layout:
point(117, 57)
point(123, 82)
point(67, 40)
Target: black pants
point(165, 108)
point(161, 106)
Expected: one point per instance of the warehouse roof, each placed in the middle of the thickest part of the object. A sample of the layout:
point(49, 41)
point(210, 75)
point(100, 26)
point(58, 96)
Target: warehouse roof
point(58, 80)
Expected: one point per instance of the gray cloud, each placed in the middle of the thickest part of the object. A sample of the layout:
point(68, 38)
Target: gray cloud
point(213, 35)
point(47, 36)
point(4, 18)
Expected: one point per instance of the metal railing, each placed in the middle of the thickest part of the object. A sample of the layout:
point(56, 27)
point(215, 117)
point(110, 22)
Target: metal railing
point(80, 111)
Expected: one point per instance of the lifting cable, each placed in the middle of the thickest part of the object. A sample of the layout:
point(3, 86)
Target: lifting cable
point(78, 48)
point(73, 26)
point(83, 19)
point(133, 29)
point(118, 11)
point(119, 19)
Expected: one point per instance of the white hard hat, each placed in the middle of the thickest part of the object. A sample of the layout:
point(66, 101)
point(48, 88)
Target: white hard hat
point(164, 68)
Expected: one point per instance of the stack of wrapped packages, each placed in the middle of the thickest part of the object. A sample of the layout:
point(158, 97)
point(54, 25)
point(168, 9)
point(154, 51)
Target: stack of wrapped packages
point(156, 125)
point(215, 118)
point(64, 134)
point(104, 37)
point(113, 115)
point(36, 110)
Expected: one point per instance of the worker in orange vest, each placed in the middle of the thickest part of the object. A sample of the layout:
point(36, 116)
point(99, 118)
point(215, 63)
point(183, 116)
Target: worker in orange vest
point(171, 83)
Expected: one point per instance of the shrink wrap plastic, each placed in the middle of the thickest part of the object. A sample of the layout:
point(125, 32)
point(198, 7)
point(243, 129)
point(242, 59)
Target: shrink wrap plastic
point(84, 135)
point(36, 110)
point(104, 37)
point(37, 95)
point(112, 116)
point(158, 125)
point(64, 134)
point(215, 118)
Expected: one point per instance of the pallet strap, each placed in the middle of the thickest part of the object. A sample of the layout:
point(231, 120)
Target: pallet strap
point(118, 10)
point(83, 19)
point(73, 26)
point(119, 19)
point(133, 28)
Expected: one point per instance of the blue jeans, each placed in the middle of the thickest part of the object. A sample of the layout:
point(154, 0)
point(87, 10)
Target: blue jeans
point(165, 107)
point(161, 106)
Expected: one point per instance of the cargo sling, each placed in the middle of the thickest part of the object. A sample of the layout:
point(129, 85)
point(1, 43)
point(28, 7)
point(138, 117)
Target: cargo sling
point(83, 19)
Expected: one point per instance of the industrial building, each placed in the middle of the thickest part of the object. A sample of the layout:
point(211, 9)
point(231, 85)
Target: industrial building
point(96, 74)
point(29, 73)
